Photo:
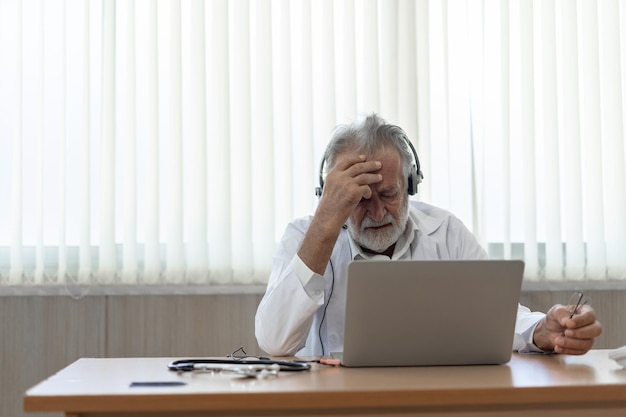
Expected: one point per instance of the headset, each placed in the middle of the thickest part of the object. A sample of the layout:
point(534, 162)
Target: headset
point(415, 174)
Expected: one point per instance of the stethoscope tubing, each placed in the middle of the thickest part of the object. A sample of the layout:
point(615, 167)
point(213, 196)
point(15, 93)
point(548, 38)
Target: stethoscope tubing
point(188, 365)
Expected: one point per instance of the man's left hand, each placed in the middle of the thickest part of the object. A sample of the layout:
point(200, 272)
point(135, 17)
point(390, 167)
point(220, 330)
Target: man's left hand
point(568, 335)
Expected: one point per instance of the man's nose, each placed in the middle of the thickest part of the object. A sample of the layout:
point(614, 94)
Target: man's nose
point(376, 208)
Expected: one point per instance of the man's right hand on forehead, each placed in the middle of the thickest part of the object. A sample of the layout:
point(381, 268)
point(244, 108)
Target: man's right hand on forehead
point(348, 182)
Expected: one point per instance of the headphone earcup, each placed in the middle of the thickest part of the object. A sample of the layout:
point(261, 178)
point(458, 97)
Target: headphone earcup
point(413, 180)
point(415, 176)
point(322, 177)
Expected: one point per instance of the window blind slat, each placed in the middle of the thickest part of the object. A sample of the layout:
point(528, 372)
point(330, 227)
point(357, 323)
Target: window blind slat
point(151, 181)
point(107, 258)
point(241, 147)
point(570, 128)
point(528, 138)
point(128, 88)
point(16, 270)
point(593, 187)
point(84, 159)
point(221, 184)
point(196, 154)
point(175, 261)
point(549, 138)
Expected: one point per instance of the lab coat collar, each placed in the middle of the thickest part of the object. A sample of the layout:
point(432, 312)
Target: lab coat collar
point(416, 222)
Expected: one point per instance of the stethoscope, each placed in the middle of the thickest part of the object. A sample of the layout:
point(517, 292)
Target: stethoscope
point(249, 368)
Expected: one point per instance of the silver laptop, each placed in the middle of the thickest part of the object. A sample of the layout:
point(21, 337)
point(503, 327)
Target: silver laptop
point(426, 313)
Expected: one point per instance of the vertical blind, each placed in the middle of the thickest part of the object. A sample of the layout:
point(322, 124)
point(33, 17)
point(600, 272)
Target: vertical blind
point(148, 142)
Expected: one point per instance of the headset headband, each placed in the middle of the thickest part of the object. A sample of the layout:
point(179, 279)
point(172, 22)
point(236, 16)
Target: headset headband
point(415, 174)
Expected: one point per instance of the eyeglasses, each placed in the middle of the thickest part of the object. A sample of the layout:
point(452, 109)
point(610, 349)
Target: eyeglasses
point(239, 354)
point(576, 301)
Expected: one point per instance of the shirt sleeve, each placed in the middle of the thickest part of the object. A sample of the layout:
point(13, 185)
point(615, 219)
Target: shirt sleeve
point(294, 293)
point(312, 283)
point(525, 326)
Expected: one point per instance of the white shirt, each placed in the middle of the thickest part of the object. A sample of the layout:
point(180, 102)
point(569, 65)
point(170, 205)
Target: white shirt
point(302, 312)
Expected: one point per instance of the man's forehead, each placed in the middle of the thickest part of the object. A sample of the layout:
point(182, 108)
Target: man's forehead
point(370, 155)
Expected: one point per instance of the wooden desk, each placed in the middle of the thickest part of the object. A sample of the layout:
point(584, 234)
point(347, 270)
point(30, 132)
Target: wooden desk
point(564, 386)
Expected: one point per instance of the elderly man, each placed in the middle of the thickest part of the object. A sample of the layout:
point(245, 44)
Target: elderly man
point(370, 168)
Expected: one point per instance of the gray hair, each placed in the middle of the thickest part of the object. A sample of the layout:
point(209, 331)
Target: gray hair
point(367, 136)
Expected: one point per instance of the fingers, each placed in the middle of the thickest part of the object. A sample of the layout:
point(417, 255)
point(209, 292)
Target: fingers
point(574, 343)
point(583, 325)
point(351, 178)
point(359, 170)
point(578, 332)
point(347, 183)
point(573, 347)
point(584, 317)
point(560, 316)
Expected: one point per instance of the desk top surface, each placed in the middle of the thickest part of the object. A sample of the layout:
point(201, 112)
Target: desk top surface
point(104, 383)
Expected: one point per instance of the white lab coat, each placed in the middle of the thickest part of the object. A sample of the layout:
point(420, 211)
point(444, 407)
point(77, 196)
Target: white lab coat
point(302, 312)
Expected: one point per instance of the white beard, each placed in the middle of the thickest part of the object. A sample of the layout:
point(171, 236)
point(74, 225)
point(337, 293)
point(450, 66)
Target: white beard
point(379, 240)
